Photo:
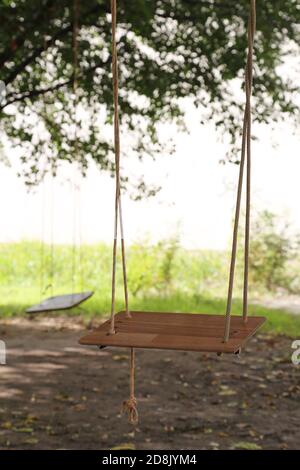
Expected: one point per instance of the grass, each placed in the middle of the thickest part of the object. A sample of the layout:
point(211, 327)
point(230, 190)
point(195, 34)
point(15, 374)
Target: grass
point(161, 278)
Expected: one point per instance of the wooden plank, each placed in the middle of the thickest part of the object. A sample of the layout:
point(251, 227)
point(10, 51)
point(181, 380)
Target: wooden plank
point(60, 302)
point(186, 319)
point(178, 342)
point(186, 343)
point(190, 332)
point(215, 331)
point(173, 329)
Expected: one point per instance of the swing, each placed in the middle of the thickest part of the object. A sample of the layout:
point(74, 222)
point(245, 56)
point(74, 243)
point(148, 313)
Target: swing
point(60, 302)
point(180, 331)
point(66, 301)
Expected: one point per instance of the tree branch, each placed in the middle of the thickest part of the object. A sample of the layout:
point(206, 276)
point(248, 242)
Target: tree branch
point(42, 91)
point(35, 93)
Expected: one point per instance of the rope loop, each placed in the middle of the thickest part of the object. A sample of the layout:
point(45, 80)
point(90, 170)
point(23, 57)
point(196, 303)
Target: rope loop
point(130, 405)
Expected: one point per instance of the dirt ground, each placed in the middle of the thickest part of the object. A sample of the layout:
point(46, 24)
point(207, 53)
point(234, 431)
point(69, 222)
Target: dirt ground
point(56, 394)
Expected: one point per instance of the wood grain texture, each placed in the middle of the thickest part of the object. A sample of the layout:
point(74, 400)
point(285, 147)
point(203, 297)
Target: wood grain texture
point(181, 331)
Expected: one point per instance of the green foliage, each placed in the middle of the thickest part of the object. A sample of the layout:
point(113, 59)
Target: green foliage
point(152, 268)
point(167, 50)
point(202, 271)
point(274, 250)
point(199, 285)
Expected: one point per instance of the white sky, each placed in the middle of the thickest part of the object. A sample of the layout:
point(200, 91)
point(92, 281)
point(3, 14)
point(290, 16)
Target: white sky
point(197, 200)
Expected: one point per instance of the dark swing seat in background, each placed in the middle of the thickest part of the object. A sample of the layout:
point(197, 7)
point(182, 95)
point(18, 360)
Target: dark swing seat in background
point(60, 302)
point(67, 301)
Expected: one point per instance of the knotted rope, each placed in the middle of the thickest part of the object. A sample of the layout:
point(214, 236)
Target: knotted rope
point(130, 405)
point(246, 144)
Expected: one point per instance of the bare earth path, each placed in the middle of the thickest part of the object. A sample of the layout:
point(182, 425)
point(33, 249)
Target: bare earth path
point(56, 394)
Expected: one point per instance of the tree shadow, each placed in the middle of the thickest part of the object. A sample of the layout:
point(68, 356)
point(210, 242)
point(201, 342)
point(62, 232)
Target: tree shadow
point(57, 394)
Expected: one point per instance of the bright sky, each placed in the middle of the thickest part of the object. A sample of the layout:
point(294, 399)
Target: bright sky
point(196, 202)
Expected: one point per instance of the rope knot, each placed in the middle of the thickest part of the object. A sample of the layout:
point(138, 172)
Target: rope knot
point(130, 407)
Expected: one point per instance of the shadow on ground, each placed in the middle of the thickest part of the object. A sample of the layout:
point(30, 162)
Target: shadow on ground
point(56, 394)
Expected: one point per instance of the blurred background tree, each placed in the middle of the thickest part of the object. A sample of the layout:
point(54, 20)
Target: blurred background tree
point(274, 263)
point(168, 50)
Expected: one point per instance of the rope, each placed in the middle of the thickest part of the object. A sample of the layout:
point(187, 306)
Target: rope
point(130, 405)
point(246, 145)
point(44, 273)
point(124, 259)
point(75, 103)
point(52, 233)
point(74, 230)
point(81, 253)
point(42, 246)
point(249, 83)
point(118, 205)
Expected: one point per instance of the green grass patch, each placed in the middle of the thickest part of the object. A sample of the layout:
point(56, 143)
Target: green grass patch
point(160, 278)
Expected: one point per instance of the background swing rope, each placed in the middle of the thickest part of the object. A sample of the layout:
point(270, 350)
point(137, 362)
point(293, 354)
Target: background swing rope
point(42, 244)
point(77, 171)
point(246, 143)
point(52, 234)
point(80, 242)
point(75, 104)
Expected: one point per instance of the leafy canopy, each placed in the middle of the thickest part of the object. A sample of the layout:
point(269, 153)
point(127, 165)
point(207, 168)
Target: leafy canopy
point(168, 49)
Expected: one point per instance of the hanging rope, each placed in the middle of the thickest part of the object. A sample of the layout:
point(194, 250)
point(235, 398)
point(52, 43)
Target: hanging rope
point(80, 242)
point(123, 259)
point(249, 83)
point(75, 104)
point(42, 245)
point(246, 144)
point(44, 273)
point(130, 405)
point(118, 205)
point(52, 233)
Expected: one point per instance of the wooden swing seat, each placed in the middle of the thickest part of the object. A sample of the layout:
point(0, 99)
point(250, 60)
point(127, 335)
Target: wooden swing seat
point(60, 302)
point(179, 331)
